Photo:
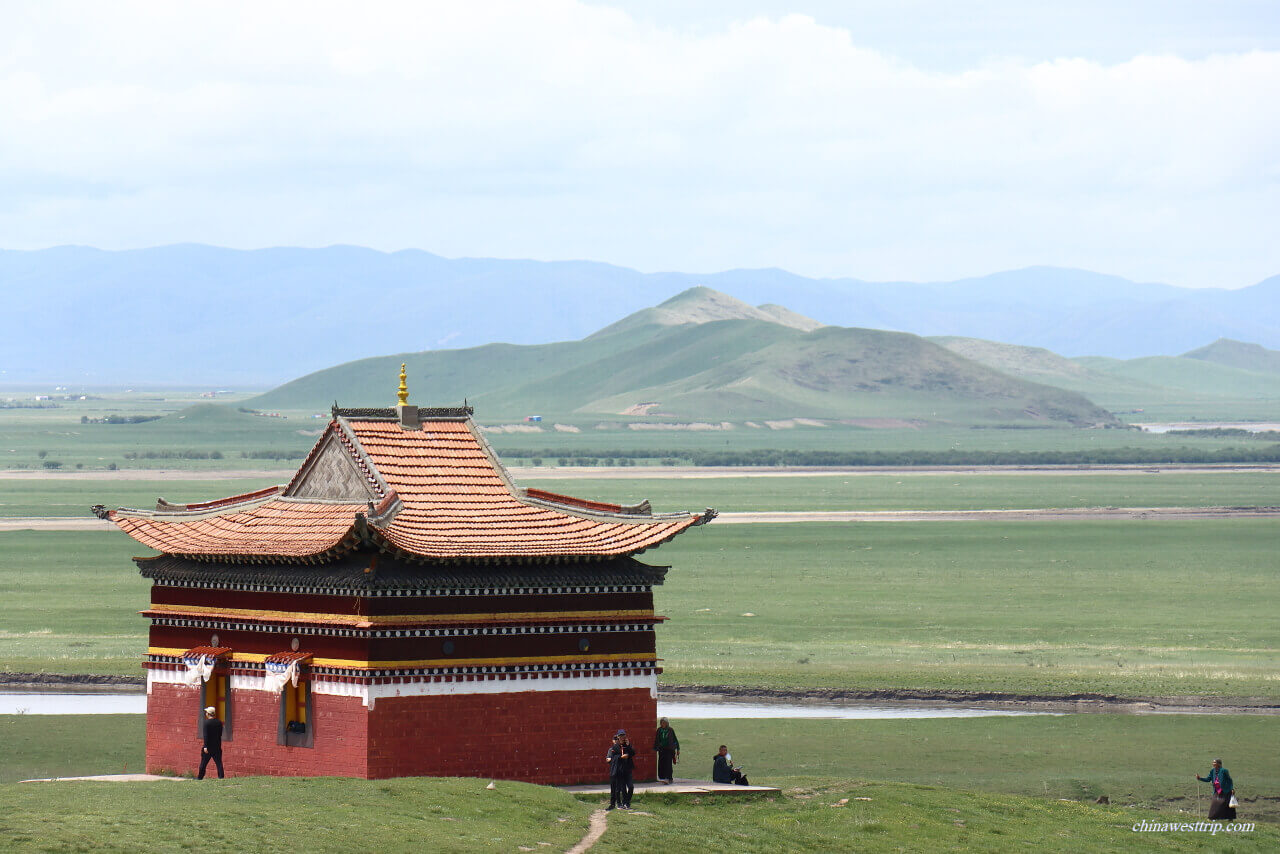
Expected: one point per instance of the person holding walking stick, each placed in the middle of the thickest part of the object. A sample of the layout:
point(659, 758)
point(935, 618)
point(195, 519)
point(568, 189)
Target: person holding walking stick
point(1224, 789)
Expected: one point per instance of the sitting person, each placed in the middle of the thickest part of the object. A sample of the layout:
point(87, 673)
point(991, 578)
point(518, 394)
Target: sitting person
point(724, 771)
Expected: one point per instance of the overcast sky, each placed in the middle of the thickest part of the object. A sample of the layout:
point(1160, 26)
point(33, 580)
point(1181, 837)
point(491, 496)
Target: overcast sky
point(893, 140)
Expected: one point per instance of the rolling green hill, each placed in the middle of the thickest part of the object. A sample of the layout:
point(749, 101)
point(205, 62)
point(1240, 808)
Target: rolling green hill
point(1191, 375)
point(705, 356)
point(1040, 365)
point(1238, 354)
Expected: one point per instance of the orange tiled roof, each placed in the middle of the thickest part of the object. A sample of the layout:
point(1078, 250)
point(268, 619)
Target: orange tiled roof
point(280, 528)
point(437, 492)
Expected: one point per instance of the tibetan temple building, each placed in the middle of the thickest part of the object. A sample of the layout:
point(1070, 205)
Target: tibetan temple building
point(402, 608)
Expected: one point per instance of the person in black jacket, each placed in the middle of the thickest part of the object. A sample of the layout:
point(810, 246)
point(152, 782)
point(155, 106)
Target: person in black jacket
point(614, 758)
point(626, 768)
point(212, 742)
point(724, 771)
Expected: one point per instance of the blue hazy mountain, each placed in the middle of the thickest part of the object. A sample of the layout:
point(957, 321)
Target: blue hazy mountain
point(200, 314)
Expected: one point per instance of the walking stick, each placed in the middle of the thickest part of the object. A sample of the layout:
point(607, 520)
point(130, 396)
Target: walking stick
point(1197, 800)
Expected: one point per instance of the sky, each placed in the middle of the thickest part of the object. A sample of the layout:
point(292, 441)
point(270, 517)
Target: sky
point(883, 141)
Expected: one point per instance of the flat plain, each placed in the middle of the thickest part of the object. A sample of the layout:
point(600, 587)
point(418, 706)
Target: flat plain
point(1134, 608)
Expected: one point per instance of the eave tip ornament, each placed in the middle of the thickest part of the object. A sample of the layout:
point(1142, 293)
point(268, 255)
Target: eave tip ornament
point(403, 393)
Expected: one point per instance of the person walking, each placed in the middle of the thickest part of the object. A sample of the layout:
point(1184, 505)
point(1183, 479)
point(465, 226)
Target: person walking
point(667, 746)
point(212, 748)
point(614, 758)
point(627, 764)
point(1223, 789)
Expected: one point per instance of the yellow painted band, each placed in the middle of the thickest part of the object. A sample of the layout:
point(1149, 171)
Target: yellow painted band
point(258, 658)
point(389, 619)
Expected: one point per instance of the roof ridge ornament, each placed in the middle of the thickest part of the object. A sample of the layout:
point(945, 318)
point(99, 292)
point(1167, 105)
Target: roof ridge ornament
point(405, 412)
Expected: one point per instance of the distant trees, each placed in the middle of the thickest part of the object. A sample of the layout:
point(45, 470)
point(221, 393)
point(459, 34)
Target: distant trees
point(189, 454)
point(272, 454)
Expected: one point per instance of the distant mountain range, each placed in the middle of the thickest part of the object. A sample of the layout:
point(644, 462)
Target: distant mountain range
point(194, 314)
point(704, 356)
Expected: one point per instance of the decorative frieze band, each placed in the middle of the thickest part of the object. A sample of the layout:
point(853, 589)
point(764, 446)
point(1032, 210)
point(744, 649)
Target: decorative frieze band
point(371, 689)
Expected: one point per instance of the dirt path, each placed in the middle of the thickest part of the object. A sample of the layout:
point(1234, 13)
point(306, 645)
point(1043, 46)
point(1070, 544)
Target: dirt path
point(55, 523)
point(596, 827)
point(281, 475)
point(78, 523)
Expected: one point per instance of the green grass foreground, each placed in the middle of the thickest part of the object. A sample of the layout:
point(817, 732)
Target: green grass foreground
point(897, 817)
point(973, 784)
point(289, 815)
point(1134, 608)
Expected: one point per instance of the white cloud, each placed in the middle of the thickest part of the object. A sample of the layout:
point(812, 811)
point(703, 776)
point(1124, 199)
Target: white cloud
point(561, 130)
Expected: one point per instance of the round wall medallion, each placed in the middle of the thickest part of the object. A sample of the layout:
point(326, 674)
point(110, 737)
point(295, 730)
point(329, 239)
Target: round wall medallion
point(584, 645)
point(447, 646)
point(294, 645)
point(213, 641)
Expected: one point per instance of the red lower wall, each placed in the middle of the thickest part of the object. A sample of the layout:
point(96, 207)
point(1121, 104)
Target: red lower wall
point(341, 748)
point(550, 737)
point(556, 737)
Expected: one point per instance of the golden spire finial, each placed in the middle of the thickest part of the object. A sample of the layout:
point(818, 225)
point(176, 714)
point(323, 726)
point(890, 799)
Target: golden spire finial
point(403, 393)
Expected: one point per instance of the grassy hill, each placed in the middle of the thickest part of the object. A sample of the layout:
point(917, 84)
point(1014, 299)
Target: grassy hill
point(1238, 354)
point(705, 356)
point(1038, 365)
point(1228, 380)
point(704, 305)
point(1192, 375)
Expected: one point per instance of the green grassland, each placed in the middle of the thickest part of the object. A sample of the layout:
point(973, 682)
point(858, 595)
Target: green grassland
point(979, 783)
point(209, 437)
point(1122, 607)
point(271, 814)
point(70, 603)
point(930, 491)
point(70, 496)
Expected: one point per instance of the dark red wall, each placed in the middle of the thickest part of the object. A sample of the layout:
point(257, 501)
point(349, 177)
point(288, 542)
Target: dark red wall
point(393, 605)
point(550, 737)
point(173, 746)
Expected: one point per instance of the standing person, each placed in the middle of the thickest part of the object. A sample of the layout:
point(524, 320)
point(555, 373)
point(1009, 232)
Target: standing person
point(614, 758)
point(667, 747)
point(212, 748)
point(627, 764)
point(724, 771)
point(1223, 788)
